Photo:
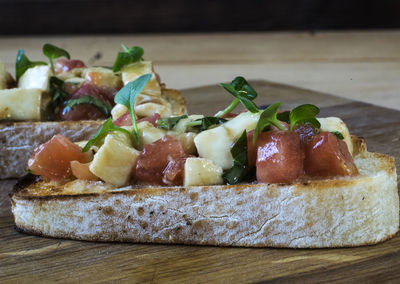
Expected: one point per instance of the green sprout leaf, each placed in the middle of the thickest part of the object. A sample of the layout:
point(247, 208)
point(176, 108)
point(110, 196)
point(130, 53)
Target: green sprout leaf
point(53, 52)
point(284, 116)
point(243, 93)
point(128, 56)
point(209, 121)
point(127, 96)
point(304, 114)
point(268, 117)
point(105, 108)
point(338, 134)
point(23, 63)
point(170, 122)
point(98, 138)
point(240, 167)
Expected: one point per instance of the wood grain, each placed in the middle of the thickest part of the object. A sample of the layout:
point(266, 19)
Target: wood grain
point(27, 258)
point(362, 66)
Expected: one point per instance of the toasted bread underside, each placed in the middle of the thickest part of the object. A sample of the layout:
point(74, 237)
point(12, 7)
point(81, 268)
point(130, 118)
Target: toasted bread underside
point(341, 212)
point(19, 139)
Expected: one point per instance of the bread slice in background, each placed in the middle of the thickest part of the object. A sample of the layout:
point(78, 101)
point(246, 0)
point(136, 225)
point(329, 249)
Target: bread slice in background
point(338, 212)
point(19, 139)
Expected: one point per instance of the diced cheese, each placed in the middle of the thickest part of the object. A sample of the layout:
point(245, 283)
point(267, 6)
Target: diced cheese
point(101, 76)
point(35, 78)
point(215, 144)
point(118, 110)
point(148, 109)
point(114, 161)
point(21, 104)
point(148, 133)
point(187, 142)
point(199, 171)
point(332, 124)
point(133, 71)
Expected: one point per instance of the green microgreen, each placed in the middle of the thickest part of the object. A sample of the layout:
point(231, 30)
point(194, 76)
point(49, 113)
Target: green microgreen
point(128, 56)
point(268, 117)
point(170, 122)
point(23, 63)
point(53, 52)
point(105, 108)
point(127, 96)
point(243, 93)
point(338, 134)
point(304, 114)
point(240, 167)
point(98, 138)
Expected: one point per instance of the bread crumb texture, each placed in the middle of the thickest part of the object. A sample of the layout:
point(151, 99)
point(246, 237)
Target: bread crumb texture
point(342, 212)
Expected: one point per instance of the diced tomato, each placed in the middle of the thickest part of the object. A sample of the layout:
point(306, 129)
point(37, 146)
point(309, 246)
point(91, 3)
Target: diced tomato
point(87, 111)
point(251, 149)
point(64, 65)
point(279, 157)
point(82, 171)
point(125, 119)
point(306, 132)
point(52, 160)
point(326, 155)
point(155, 157)
point(173, 173)
point(152, 119)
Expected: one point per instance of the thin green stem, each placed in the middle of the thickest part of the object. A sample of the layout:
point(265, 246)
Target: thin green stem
point(231, 107)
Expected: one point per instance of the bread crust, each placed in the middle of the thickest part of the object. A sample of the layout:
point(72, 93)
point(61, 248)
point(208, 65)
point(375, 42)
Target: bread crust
point(338, 212)
point(19, 139)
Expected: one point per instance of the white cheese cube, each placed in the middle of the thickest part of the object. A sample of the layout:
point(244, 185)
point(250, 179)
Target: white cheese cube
point(333, 124)
point(3, 77)
point(133, 71)
point(114, 161)
point(21, 104)
point(199, 171)
point(148, 109)
point(148, 133)
point(215, 144)
point(101, 76)
point(118, 110)
point(36, 78)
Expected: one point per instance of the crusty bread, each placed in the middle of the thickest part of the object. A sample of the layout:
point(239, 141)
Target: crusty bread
point(338, 212)
point(19, 139)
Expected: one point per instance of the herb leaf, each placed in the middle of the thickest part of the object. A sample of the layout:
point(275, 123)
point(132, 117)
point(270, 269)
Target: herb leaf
point(170, 122)
point(243, 93)
point(268, 117)
point(338, 135)
point(129, 56)
point(240, 167)
point(105, 108)
point(23, 63)
point(284, 116)
point(97, 139)
point(127, 96)
point(52, 52)
point(208, 121)
point(304, 113)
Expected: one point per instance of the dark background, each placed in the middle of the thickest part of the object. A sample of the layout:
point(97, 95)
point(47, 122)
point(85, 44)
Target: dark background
point(156, 16)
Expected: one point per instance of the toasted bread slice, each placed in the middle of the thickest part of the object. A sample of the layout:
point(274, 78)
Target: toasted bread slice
point(19, 139)
point(338, 212)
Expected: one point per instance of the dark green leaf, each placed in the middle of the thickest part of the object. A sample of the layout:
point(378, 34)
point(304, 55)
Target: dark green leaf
point(284, 116)
point(242, 96)
point(240, 167)
point(208, 121)
point(243, 87)
point(128, 56)
point(170, 122)
point(338, 134)
point(304, 114)
point(99, 104)
point(127, 96)
point(58, 95)
point(23, 63)
point(268, 117)
point(98, 138)
point(52, 52)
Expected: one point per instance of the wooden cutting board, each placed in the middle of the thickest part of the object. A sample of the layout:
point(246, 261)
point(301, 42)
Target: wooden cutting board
point(25, 258)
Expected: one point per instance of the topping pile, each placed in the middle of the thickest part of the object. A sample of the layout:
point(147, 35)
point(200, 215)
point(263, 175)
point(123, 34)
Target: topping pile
point(66, 89)
point(266, 146)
